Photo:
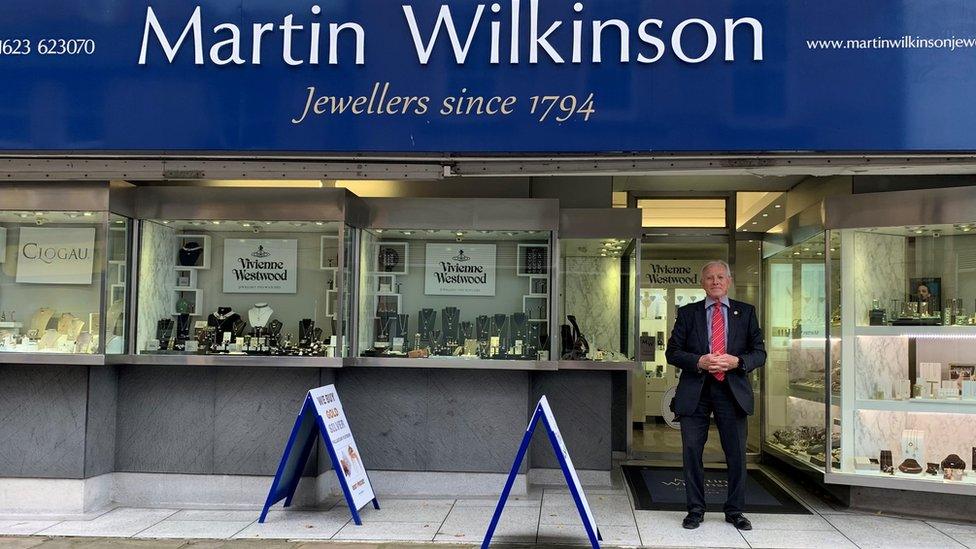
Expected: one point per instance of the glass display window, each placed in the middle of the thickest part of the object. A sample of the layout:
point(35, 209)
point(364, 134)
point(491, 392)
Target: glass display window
point(796, 344)
point(908, 319)
point(59, 272)
point(596, 281)
point(239, 287)
point(463, 294)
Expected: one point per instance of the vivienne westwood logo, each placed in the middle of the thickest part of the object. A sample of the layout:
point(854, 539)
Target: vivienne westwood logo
point(261, 252)
point(461, 257)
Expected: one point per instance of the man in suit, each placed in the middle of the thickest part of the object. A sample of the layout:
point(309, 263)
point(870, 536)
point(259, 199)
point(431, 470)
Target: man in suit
point(715, 343)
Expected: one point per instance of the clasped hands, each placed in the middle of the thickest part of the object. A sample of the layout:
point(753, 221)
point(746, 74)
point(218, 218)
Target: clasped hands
point(714, 363)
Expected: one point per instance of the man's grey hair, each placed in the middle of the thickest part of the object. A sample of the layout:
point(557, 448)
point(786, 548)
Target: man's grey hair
point(728, 270)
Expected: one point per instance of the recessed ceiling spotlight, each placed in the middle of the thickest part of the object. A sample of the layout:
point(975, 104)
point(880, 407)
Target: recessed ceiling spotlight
point(320, 223)
point(431, 231)
point(459, 233)
point(484, 231)
point(796, 253)
point(408, 233)
point(765, 215)
point(165, 222)
point(833, 249)
point(379, 230)
point(298, 224)
point(88, 214)
point(216, 222)
point(778, 206)
point(268, 222)
point(119, 222)
point(242, 224)
point(754, 223)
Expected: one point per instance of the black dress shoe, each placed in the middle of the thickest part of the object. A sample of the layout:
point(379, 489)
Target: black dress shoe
point(739, 521)
point(692, 521)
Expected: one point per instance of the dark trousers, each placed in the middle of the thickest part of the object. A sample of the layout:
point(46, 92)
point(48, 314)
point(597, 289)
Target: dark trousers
point(717, 399)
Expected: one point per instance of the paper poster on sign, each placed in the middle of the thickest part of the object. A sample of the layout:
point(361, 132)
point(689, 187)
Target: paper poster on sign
point(260, 266)
point(460, 269)
point(329, 408)
point(55, 256)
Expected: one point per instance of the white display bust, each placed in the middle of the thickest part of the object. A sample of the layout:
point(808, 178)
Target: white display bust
point(259, 315)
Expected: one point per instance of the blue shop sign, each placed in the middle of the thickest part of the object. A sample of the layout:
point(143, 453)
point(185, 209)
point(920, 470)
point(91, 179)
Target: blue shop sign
point(468, 76)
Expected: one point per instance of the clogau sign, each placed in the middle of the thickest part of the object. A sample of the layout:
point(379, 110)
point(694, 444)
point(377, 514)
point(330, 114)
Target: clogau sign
point(260, 266)
point(460, 269)
point(55, 256)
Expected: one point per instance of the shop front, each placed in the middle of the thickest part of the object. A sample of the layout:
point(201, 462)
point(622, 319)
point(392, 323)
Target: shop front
point(185, 249)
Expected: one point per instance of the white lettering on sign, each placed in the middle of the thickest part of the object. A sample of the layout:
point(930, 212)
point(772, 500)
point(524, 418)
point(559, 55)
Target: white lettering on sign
point(55, 256)
point(462, 30)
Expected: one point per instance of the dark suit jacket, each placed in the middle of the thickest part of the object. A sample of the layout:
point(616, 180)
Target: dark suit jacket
point(689, 341)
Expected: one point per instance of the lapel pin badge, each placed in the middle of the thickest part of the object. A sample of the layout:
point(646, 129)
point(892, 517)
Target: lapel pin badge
point(736, 313)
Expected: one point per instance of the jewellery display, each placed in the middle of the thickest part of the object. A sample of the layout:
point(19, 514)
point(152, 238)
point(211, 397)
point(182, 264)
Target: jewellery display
point(809, 443)
point(910, 466)
point(519, 335)
point(40, 320)
point(451, 327)
point(189, 254)
point(305, 327)
point(426, 320)
point(886, 462)
point(932, 469)
point(259, 315)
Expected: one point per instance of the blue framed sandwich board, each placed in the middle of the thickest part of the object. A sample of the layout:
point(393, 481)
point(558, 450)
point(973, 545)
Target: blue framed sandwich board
point(544, 412)
point(322, 412)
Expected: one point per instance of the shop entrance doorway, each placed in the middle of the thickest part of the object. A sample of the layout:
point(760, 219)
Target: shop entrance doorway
point(671, 262)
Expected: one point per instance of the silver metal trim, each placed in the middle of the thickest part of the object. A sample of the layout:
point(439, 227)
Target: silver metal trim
point(899, 208)
point(241, 203)
point(55, 195)
point(452, 363)
point(901, 483)
point(236, 360)
point(597, 366)
point(62, 359)
point(600, 223)
point(464, 213)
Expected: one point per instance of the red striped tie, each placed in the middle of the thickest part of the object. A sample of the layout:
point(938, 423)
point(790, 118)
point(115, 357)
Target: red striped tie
point(718, 335)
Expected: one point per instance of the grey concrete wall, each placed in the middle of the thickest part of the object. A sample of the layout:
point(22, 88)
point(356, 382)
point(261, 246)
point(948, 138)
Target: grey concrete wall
point(436, 420)
point(42, 421)
point(78, 422)
point(101, 420)
point(210, 420)
point(580, 401)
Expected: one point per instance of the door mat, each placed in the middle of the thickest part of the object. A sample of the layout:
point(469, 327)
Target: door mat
point(663, 489)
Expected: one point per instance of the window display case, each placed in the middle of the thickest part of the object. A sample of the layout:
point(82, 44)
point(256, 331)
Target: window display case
point(796, 339)
point(446, 282)
point(232, 281)
point(906, 286)
point(63, 273)
point(598, 277)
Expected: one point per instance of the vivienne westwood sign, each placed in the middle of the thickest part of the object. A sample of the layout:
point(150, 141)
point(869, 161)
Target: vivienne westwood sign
point(260, 266)
point(460, 269)
point(55, 256)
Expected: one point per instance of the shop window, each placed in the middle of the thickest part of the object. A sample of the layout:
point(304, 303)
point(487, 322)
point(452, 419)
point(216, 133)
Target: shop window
point(683, 212)
point(465, 294)
point(52, 265)
point(222, 287)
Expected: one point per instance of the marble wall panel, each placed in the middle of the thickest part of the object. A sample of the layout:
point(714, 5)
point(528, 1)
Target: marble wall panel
point(475, 419)
point(591, 287)
point(881, 361)
point(42, 421)
point(101, 420)
point(165, 419)
point(804, 413)
point(944, 434)
point(879, 271)
point(156, 300)
point(255, 411)
point(580, 401)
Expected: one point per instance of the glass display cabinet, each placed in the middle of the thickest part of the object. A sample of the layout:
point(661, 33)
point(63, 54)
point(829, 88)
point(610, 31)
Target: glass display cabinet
point(598, 277)
point(445, 282)
point(231, 282)
point(907, 288)
point(64, 265)
point(795, 326)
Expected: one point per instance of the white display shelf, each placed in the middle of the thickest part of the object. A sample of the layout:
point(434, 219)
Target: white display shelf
point(920, 405)
point(916, 331)
point(924, 482)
